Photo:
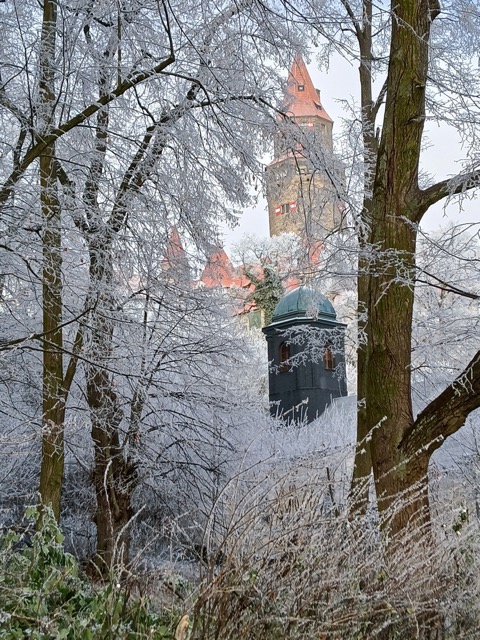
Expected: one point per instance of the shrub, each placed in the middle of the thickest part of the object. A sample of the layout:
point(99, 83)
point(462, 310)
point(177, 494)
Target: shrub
point(43, 594)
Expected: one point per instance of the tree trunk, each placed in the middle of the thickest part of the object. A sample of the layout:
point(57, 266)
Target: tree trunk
point(362, 469)
point(389, 408)
point(52, 461)
point(391, 274)
point(360, 486)
point(114, 475)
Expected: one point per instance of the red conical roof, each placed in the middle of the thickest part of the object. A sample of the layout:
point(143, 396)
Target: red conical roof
point(219, 271)
point(302, 97)
point(175, 256)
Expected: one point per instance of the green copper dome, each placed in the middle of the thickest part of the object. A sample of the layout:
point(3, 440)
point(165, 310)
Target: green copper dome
point(304, 302)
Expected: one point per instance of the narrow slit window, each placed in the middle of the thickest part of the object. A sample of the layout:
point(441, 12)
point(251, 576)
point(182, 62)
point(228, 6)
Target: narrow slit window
point(286, 207)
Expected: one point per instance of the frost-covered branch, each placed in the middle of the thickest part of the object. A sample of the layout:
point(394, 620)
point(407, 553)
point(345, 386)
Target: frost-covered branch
point(444, 189)
point(56, 133)
point(447, 286)
point(446, 414)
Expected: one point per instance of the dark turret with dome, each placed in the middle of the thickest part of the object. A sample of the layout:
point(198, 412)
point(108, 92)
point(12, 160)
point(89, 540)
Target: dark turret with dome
point(306, 354)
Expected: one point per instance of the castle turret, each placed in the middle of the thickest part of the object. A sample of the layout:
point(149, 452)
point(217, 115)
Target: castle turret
point(175, 265)
point(306, 353)
point(302, 180)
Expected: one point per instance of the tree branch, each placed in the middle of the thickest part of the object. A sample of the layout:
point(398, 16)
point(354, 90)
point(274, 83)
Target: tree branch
point(22, 119)
point(70, 193)
point(446, 286)
point(73, 362)
point(351, 15)
point(143, 162)
point(8, 345)
point(96, 168)
point(37, 149)
point(446, 414)
point(379, 101)
point(453, 186)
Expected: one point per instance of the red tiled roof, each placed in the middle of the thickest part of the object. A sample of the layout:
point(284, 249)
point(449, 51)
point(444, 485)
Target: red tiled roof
point(175, 255)
point(302, 97)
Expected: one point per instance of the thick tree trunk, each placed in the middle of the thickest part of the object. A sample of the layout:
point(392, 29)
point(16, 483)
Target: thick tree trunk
point(52, 461)
point(114, 476)
point(389, 408)
point(393, 208)
point(392, 273)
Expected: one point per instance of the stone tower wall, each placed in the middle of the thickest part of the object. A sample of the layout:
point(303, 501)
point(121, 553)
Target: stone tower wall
point(301, 197)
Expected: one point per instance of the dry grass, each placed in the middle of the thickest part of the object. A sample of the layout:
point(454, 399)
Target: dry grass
point(290, 564)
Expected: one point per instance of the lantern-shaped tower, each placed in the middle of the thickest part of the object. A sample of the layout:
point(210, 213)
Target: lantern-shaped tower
point(306, 353)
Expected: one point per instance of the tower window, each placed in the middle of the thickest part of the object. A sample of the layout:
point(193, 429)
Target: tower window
point(301, 87)
point(284, 355)
point(286, 207)
point(328, 359)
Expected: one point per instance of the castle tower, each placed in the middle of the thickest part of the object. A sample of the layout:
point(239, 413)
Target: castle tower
point(301, 194)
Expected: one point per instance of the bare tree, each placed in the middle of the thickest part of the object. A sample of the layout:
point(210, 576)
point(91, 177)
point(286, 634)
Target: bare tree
point(144, 114)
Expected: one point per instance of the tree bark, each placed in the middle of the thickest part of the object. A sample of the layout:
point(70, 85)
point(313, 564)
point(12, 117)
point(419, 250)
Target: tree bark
point(52, 461)
point(362, 469)
point(114, 474)
point(446, 414)
point(400, 482)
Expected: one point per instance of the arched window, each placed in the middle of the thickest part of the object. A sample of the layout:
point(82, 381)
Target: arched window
point(284, 355)
point(328, 359)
